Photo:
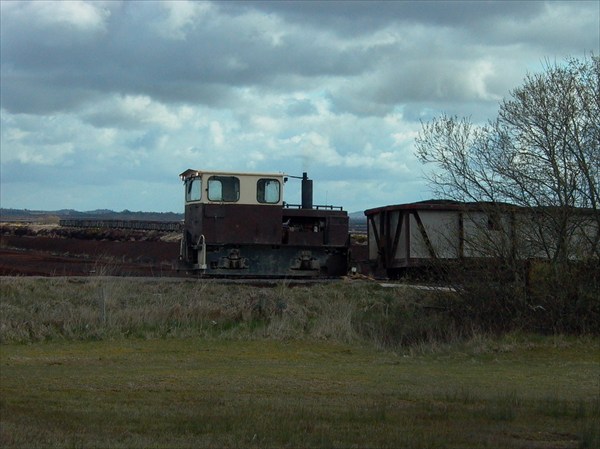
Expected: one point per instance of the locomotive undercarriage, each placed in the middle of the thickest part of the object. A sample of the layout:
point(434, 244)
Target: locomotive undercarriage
point(264, 261)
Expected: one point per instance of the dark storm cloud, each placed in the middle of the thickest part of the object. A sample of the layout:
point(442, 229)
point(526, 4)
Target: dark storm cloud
point(97, 94)
point(56, 68)
point(489, 22)
point(46, 69)
point(356, 17)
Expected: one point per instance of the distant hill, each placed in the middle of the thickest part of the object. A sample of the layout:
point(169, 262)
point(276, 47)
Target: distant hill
point(103, 214)
point(357, 222)
point(125, 214)
point(357, 216)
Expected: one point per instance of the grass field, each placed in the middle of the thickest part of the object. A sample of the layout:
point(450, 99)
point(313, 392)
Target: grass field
point(86, 365)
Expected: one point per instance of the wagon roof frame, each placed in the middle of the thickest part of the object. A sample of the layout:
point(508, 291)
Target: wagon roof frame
point(452, 205)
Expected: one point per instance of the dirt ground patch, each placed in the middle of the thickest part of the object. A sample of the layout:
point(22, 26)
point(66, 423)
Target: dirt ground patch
point(55, 251)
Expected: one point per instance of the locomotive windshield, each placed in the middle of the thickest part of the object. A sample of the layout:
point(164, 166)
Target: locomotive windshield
point(268, 191)
point(193, 189)
point(223, 188)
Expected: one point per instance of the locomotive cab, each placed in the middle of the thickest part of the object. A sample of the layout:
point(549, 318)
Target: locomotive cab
point(237, 224)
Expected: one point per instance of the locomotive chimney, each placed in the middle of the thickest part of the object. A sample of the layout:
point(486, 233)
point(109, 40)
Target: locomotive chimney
point(307, 192)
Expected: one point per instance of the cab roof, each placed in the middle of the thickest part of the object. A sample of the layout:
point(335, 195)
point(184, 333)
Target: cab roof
point(191, 173)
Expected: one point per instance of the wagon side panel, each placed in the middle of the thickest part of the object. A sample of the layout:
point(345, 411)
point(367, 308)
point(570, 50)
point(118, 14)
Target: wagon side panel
point(435, 234)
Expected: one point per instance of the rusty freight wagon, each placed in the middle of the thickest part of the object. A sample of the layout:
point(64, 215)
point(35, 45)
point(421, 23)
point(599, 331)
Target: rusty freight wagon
point(409, 237)
point(237, 224)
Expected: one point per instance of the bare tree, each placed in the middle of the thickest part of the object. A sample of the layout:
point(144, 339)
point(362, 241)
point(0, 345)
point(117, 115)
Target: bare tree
point(535, 172)
point(542, 153)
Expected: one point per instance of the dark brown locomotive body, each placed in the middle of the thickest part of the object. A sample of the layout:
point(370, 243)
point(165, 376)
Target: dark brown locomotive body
point(236, 224)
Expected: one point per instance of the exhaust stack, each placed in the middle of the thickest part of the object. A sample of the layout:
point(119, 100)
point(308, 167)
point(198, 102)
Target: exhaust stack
point(307, 192)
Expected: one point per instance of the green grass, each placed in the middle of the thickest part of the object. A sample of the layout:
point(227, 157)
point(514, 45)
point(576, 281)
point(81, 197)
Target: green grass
point(225, 393)
point(99, 363)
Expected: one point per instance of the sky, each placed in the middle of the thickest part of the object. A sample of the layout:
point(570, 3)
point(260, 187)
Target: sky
point(105, 103)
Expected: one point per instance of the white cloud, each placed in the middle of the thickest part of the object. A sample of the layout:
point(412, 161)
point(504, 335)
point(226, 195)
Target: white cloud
point(182, 16)
point(136, 111)
point(146, 111)
point(80, 15)
point(311, 148)
point(140, 91)
point(50, 154)
point(216, 131)
point(402, 139)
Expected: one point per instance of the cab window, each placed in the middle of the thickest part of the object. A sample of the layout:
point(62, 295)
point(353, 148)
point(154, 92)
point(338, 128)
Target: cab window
point(223, 188)
point(268, 191)
point(193, 191)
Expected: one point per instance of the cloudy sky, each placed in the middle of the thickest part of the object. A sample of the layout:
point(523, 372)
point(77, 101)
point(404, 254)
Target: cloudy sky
point(103, 104)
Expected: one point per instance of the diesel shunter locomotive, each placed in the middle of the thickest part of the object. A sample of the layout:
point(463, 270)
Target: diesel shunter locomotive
point(237, 224)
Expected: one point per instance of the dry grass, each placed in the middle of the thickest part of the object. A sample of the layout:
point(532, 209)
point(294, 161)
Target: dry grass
point(112, 362)
point(110, 308)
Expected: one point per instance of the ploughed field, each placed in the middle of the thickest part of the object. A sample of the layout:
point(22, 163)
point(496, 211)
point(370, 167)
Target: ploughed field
point(52, 250)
